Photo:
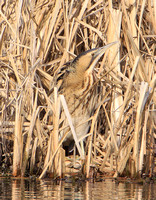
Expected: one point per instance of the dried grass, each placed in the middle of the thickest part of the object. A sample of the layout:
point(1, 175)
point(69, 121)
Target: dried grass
point(36, 38)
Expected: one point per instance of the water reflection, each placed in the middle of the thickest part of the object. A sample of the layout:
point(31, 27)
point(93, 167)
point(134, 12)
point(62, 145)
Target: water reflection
point(17, 189)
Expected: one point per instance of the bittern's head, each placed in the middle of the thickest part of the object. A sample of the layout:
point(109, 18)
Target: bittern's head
point(88, 59)
point(74, 72)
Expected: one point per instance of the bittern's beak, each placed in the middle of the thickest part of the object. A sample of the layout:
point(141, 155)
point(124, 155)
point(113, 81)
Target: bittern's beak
point(87, 60)
point(97, 53)
point(100, 51)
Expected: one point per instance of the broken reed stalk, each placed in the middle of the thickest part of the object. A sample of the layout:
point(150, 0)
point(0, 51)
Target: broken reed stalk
point(126, 96)
point(114, 29)
point(18, 142)
point(52, 33)
point(55, 133)
point(141, 103)
point(52, 157)
point(143, 142)
point(29, 139)
point(64, 104)
point(90, 139)
point(33, 156)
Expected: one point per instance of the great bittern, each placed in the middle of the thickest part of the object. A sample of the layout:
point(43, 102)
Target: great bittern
point(75, 80)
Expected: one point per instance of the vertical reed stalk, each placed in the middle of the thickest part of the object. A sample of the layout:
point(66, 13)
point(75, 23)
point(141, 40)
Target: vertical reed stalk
point(29, 137)
point(18, 142)
point(114, 29)
point(55, 135)
point(141, 104)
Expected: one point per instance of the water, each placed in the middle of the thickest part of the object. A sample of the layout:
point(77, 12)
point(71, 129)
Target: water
point(17, 189)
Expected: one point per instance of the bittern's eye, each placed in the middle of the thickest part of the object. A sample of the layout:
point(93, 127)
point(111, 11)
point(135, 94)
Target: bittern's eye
point(67, 71)
point(93, 54)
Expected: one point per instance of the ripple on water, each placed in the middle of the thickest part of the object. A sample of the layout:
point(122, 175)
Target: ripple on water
point(47, 189)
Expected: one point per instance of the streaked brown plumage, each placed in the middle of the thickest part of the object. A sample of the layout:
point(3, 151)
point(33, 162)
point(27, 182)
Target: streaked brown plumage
point(75, 80)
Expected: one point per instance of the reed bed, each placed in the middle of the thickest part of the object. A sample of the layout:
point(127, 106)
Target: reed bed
point(38, 37)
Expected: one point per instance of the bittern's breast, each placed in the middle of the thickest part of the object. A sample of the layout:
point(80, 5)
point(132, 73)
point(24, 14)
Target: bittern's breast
point(81, 100)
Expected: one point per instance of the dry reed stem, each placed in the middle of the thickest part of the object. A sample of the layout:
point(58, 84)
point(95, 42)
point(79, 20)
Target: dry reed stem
point(141, 104)
point(33, 155)
point(123, 162)
point(90, 139)
point(127, 93)
point(55, 134)
point(29, 136)
point(63, 101)
point(143, 142)
point(52, 157)
point(18, 143)
point(114, 29)
point(111, 131)
point(51, 24)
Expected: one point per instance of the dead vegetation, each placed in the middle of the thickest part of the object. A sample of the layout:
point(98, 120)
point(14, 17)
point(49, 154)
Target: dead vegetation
point(36, 38)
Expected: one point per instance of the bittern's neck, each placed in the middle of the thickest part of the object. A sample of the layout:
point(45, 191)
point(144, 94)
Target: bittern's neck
point(76, 79)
